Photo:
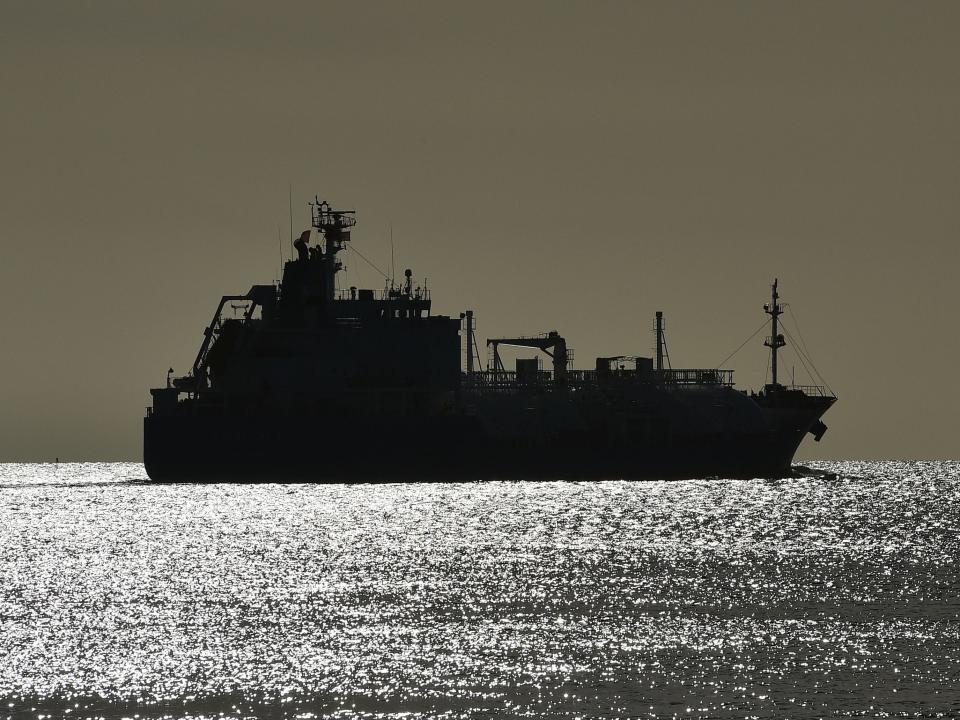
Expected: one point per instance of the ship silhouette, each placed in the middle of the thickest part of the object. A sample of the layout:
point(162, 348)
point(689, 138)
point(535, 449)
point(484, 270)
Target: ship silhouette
point(311, 383)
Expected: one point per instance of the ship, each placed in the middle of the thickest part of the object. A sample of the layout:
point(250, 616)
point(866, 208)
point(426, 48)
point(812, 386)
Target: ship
point(303, 381)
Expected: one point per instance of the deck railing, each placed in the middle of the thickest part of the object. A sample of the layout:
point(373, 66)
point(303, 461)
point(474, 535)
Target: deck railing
point(697, 376)
point(509, 380)
point(813, 390)
point(382, 295)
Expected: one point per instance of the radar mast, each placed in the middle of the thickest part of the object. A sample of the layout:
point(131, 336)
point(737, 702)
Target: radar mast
point(334, 226)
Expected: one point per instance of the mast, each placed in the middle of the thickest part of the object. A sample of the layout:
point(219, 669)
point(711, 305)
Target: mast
point(469, 315)
point(775, 341)
point(659, 330)
point(335, 226)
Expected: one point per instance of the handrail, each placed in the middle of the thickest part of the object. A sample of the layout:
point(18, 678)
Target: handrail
point(382, 296)
point(817, 390)
point(507, 379)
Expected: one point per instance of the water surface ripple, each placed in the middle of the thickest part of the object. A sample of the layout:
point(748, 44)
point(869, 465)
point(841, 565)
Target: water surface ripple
point(834, 594)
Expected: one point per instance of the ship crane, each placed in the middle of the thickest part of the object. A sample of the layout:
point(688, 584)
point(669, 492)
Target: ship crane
point(544, 343)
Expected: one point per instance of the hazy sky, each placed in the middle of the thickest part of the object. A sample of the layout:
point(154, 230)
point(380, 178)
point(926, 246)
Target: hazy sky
point(568, 166)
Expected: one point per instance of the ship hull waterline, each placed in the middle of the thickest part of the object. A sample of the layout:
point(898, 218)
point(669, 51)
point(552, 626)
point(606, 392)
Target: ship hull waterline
point(202, 449)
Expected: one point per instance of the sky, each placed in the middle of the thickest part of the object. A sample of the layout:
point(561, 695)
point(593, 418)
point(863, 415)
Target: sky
point(552, 166)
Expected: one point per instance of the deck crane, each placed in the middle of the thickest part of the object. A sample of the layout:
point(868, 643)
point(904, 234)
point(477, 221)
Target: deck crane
point(544, 343)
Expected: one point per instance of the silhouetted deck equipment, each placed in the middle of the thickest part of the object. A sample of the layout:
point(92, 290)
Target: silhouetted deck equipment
point(303, 381)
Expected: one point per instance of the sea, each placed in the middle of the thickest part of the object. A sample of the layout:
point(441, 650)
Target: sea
point(831, 594)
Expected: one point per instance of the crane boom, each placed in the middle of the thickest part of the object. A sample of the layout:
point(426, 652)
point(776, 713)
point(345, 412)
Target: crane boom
point(545, 343)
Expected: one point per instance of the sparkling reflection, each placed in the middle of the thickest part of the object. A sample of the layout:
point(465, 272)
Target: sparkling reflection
point(833, 594)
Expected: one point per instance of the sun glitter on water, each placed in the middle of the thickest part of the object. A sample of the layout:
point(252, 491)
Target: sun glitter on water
point(830, 594)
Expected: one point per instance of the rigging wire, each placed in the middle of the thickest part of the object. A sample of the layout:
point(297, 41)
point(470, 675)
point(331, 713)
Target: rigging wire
point(742, 345)
point(796, 324)
point(814, 367)
point(801, 349)
point(799, 352)
point(800, 356)
point(804, 358)
point(368, 262)
point(666, 352)
point(806, 351)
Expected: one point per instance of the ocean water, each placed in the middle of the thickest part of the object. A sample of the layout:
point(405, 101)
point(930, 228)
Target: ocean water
point(832, 594)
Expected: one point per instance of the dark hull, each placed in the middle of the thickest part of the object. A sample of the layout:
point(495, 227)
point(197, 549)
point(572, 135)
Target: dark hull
point(198, 449)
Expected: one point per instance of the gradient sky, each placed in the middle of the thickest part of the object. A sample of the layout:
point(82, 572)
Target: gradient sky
point(568, 166)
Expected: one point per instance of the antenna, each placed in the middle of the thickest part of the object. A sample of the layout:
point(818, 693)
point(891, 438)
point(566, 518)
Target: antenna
point(393, 267)
point(280, 244)
point(290, 198)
